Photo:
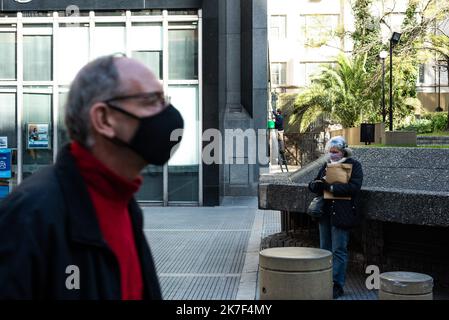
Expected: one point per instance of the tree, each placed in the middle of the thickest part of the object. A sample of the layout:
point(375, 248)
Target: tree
point(339, 90)
point(351, 90)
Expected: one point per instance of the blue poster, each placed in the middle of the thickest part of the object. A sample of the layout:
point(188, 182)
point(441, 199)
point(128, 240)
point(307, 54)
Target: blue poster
point(5, 164)
point(4, 191)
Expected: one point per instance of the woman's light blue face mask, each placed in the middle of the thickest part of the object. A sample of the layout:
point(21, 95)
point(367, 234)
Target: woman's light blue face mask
point(335, 155)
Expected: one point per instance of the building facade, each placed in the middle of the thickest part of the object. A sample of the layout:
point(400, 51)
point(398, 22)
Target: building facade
point(207, 53)
point(301, 38)
point(303, 35)
point(433, 81)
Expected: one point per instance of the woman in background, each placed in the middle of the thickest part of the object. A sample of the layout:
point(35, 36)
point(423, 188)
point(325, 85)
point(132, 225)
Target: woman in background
point(339, 215)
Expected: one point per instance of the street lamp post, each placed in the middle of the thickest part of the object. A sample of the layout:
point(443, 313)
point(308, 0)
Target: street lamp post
point(393, 41)
point(382, 55)
point(437, 109)
point(439, 87)
point(442, 64)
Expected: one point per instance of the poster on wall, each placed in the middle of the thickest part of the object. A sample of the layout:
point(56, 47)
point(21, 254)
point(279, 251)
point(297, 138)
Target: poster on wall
point(3, 142)
point(5, 164)
point(38, 136)
point(4, 191)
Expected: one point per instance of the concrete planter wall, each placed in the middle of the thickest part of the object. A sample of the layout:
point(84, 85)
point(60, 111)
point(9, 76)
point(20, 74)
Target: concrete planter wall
point(400, 138)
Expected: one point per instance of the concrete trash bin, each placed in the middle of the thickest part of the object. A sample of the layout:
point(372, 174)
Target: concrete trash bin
point(295, 273)
point(401, 285)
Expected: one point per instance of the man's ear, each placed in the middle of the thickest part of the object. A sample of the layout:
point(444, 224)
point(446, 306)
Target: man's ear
point(100, 120)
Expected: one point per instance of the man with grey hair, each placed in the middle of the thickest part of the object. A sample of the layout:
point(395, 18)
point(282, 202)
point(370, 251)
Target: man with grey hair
point(74, 230)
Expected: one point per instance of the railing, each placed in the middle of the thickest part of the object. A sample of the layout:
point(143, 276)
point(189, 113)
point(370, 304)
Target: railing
point(303, 148)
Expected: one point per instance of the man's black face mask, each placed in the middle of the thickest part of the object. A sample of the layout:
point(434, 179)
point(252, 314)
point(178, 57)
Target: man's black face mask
point(152, 138)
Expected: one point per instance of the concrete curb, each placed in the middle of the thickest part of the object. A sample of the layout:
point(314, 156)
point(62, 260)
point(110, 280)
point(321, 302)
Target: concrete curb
point(248, 280)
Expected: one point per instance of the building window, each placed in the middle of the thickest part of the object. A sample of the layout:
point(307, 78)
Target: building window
point(308, 70)
point(72, 51)
point(278, 27)
point(279, 73)
point(54, 49)
point(318, 30)
point(145, 41)
point(8, 56)
point(8, 124)
point(183, 54)
point(37, 58)
point(109, 38)
point(421, 77)
point(152, 59)
point(183, 167)
point(182, 12)
point(37, 109)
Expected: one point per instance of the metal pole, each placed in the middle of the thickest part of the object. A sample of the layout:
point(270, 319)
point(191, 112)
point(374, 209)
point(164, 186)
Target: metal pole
point(384, 113)
point(391, 86)
point(439, 87)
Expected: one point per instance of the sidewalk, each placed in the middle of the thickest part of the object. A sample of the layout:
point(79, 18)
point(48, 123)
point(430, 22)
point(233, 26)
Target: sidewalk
point(205, 253)
point(200, 251)
point(212, 253)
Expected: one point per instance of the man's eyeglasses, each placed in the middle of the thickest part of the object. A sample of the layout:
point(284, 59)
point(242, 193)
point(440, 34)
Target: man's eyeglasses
point(146, 98)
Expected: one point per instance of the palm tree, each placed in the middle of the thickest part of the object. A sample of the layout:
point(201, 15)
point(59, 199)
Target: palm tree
point(340, 90)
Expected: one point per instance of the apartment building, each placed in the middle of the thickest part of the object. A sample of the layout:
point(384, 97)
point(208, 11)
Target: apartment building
point(304, 34)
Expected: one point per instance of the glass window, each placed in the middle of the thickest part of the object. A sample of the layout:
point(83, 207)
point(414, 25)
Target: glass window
point(71, 13)
point(152, 189)
point(278, 27)
point(183, 24)
point(152, 59)
point(37, 58)
point(319, 29)
point(36, 114)
point(63, 136)
point(182, 12)
point(421, 73)
point(145, 37)
point(8, 14)
point(278, 73)
point(183, 167)
point(155, 12)
point(8, 123)
point(301, 74)
point(183, 183)
point(145, 41)
point(185, 99)
point(37, 25)
point(35, 14)
point(108, 39)
point(308, 71)
point(110, 13)
point(72, 52)
point(8, 56)
point(183, 54)
point(8, 130)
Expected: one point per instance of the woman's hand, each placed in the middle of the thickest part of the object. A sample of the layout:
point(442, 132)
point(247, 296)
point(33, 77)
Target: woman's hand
point(318, 185)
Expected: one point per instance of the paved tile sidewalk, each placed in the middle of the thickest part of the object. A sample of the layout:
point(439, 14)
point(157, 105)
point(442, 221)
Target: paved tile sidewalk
point(206, 253)
point(200, 252)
